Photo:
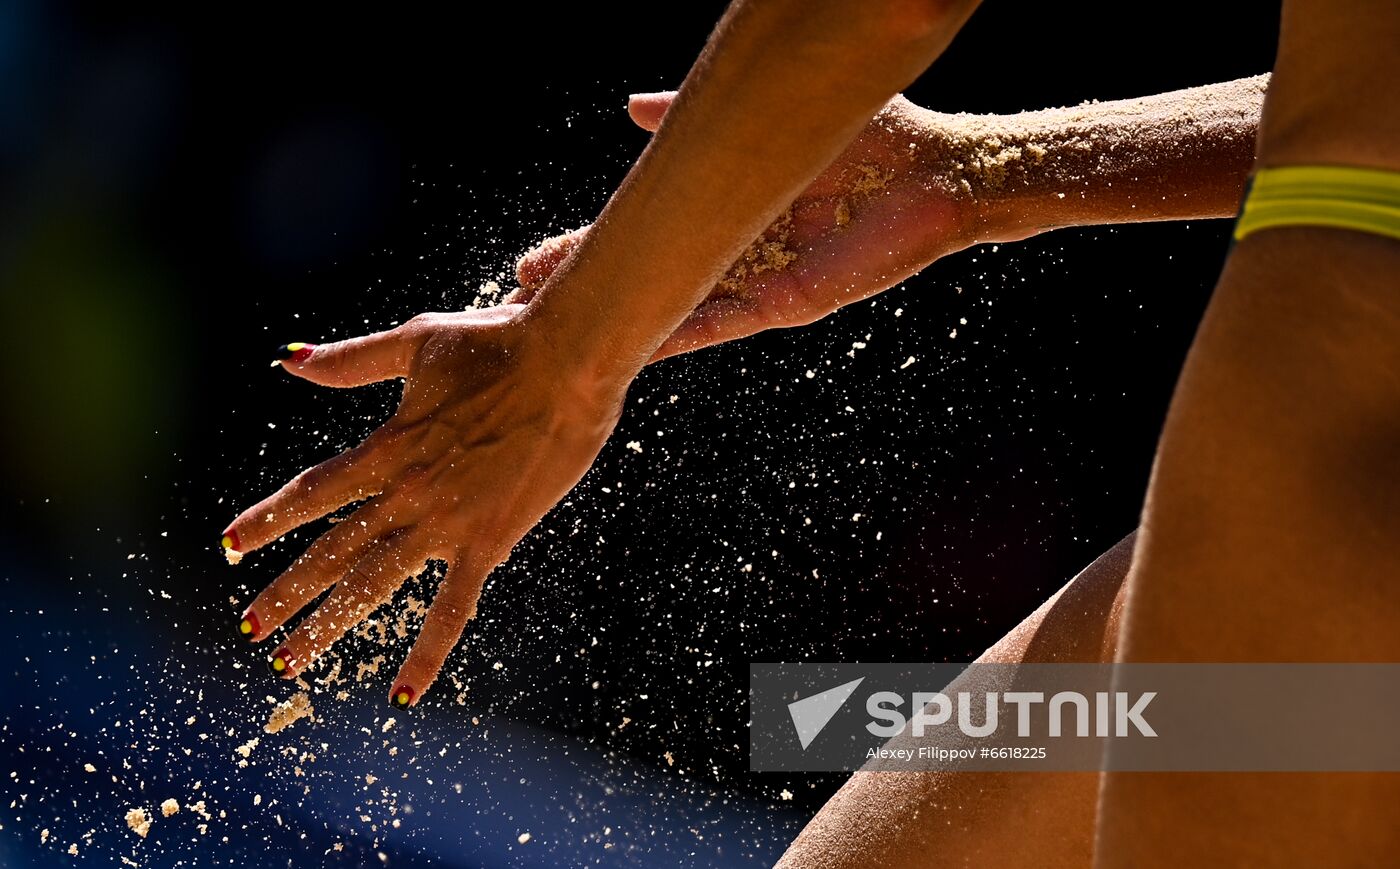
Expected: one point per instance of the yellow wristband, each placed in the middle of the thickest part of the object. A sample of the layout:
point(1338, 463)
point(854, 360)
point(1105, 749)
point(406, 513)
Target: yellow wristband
point(1343, 197)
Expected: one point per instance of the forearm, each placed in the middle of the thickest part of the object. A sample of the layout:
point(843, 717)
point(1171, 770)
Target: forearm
point(779, 91)
point(1178, 155)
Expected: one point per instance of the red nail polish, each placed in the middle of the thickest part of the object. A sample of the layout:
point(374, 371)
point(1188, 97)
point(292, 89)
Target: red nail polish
point(402, 697)
point(248, 627)
point(280, 662)
point(296, 352)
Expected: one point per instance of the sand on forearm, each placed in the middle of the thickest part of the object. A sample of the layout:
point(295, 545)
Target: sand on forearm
point(984, 154)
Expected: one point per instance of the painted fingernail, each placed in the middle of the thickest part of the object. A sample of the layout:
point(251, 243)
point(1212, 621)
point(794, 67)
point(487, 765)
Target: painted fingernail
point(232, 548)
point(403, 695)
point(279, 662)
point(295, 352)
point(248, 627)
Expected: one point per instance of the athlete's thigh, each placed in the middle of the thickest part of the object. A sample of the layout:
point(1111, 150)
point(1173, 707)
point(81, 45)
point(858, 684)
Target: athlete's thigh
point(886, 819)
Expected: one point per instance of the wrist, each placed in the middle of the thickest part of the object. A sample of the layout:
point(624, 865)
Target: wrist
point(587, 357)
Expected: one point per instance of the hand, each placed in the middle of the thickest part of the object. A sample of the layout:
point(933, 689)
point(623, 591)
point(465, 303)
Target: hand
point(883, 211)
point(490, 433)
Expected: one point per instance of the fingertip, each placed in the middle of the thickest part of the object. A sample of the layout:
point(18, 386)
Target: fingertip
point(249, 626)
point(232, 545)
point(533, 268)
point(529, 273)
point(280, 664)
point(647, 110)
point(354, 361)
point(296, 352)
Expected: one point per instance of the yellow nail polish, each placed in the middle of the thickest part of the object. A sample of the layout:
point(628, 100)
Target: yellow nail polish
point(278, 663)
point(295, 352)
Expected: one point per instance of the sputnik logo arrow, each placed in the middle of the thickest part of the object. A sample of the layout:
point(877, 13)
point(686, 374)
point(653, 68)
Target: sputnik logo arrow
point(811, 714)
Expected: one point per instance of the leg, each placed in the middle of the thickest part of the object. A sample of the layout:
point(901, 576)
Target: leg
point(1272, 525)
point(891, 819)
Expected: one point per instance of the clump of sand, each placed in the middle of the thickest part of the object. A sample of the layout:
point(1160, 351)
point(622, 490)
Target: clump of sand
point(138, 821)
point(488, 294)
point(289, 712)
point(868, 179)
point(770, 252)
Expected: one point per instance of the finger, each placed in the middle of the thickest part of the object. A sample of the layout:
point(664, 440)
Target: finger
point(648, 109)
point(453, 606)
point(323, 563)
point(535, 267)
point(354, 475)
point(368, 584)
point(353, 362)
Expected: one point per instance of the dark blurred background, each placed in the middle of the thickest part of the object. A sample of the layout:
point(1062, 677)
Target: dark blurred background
point(181, 192)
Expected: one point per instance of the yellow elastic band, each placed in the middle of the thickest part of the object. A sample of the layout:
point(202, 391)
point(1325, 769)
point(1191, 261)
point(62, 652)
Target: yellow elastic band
point(1344, 197)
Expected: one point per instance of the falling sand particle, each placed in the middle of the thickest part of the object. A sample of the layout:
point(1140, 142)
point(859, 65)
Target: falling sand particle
point(288, 712)
point(139, 822)
point(487, 295)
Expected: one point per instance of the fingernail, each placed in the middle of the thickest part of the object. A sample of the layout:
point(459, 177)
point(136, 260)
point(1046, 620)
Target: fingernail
point(248, 627)
point(232, 549)
point(295, 352)
point(403, 695)
point(279, 662)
